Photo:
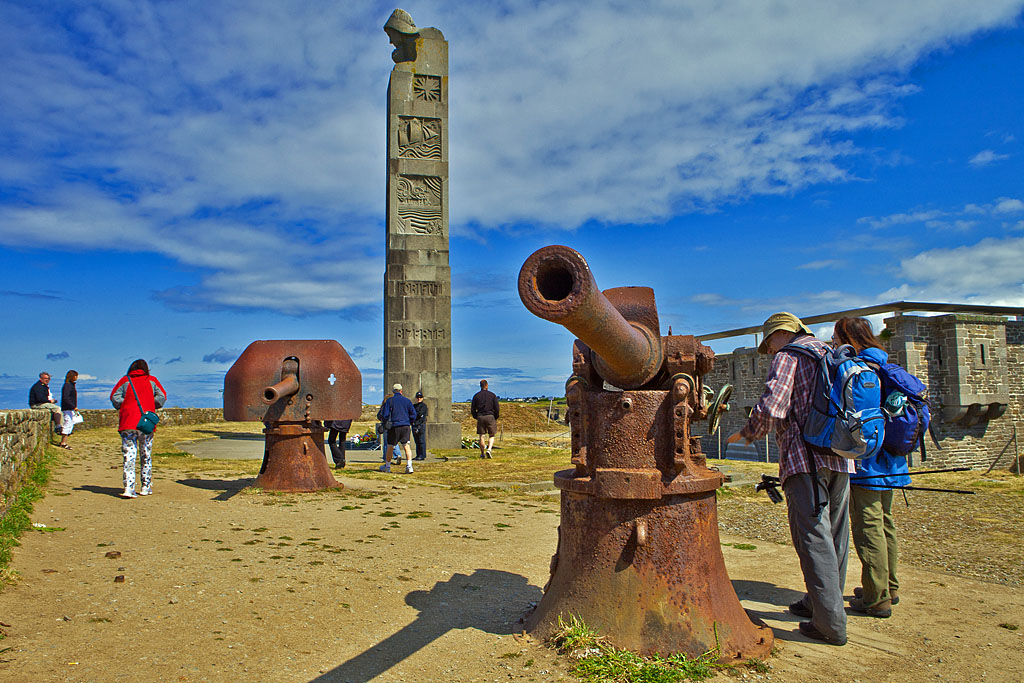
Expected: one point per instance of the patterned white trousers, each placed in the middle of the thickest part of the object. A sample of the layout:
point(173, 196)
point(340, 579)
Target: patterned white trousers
point(130, 450)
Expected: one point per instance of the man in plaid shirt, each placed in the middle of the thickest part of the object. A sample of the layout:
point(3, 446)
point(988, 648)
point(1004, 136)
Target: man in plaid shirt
point(817, 486)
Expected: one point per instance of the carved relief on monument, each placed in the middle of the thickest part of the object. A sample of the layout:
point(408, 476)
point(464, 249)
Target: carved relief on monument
point(426, 88)
point(419, 205)
point(419, 138)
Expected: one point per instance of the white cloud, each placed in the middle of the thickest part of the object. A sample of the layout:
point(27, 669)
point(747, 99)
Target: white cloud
point(901, 218)
point(1008, 205)
point(986, 157)
point(245, 139)
point(987, 272)
point(820, 265)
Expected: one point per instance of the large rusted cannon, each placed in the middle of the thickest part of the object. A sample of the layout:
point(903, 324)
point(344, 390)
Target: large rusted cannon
point(288, 385)
point(639, 556)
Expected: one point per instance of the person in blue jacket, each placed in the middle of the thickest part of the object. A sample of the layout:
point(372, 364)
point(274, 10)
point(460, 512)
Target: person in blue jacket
point(874, 532)
point(399, 410)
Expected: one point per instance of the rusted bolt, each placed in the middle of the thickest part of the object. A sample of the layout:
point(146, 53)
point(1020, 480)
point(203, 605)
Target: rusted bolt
point(627, 404)
point(309, 397)
point(641, 533)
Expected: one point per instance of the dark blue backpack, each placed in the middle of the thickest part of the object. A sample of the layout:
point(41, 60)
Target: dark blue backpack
point(905, 405)
point(846, 416)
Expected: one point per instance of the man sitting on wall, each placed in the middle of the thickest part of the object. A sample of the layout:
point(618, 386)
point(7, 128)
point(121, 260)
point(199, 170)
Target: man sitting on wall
point(39, 397)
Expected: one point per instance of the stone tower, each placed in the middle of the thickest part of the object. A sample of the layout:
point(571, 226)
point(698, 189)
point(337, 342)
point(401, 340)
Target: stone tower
point(417, 279)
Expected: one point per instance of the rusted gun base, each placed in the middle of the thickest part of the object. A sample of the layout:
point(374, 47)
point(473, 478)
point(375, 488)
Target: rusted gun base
point(649, 575)
point(295, 459)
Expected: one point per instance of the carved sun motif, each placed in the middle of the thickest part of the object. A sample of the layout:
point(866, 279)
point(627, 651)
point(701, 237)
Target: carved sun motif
point(427, 88)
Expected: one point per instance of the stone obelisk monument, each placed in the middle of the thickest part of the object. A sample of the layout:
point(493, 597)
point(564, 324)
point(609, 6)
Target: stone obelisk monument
point(417, 280)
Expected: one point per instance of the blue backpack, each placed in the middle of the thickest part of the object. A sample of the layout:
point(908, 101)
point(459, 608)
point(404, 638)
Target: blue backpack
point(905, 405)
point(846, 416)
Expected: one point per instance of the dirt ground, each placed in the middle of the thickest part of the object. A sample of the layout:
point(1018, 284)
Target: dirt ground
point(390, 580)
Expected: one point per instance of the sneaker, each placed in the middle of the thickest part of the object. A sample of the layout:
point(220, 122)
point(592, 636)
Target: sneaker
point(386, 467)
point(808, 629)
point(800, 609)
point(488, 453)
point(128, 493)
point(858, 592)
point(408, 468)
point(146, 491)
point(882, 610)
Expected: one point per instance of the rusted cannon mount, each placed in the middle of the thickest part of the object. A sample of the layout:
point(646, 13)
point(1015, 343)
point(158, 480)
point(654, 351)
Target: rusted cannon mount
point(639, 557)
point(646, 432)
point(288, 385)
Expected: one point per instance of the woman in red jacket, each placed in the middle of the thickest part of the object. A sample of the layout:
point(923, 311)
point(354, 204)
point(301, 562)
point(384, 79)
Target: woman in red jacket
point(134, 394)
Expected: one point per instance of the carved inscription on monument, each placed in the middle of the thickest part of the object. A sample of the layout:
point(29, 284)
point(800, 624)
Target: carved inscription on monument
point(419, 205)
point(426, 88)
point(410, 333)
point(421, 288)
point(419, 138)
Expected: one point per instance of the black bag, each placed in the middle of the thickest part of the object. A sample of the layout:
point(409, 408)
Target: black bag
point(385, 425)
point(148, 421)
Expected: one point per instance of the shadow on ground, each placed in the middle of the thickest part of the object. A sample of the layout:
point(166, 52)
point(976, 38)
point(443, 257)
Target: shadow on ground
point(481, 600)
point(231, 436)
point(228, 488)
point(102, 490)
point(764, 592)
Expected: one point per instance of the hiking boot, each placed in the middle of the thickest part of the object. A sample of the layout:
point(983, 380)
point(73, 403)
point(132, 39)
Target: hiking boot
point(858, 592)
point(808, 629)
point(800, 609)
point(882, 610)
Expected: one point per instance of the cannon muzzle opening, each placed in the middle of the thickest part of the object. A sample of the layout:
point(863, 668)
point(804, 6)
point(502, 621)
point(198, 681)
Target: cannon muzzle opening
point(289, 384)
point(555, 283)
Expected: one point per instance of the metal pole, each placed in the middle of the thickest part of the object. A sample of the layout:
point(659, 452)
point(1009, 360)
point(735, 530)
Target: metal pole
point(767, 457)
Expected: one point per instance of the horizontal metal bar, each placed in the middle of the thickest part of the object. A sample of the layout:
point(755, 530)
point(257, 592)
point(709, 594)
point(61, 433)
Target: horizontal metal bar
point(894, 307)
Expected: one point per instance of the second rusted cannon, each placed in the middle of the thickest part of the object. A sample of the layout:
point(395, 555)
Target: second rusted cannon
point(290, 386)
point(639, 556)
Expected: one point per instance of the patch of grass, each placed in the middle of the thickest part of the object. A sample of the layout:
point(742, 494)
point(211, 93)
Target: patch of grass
point(99, 620)
point(742, 546)
point(17, 518)
point(1009, 627)
point(418, 514)
point(758, 665)
point(48, 529)
point(510, 655)
point(387, 514)
point(597, 661)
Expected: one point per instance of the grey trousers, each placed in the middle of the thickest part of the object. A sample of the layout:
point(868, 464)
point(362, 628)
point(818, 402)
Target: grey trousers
point(820, 527)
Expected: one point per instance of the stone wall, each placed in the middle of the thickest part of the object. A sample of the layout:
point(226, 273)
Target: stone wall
point(168, 416)
point(963, 359)
point(23, 436)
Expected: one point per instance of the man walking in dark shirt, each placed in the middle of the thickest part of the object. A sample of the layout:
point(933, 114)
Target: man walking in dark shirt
point(485, 409)
point(419, 426)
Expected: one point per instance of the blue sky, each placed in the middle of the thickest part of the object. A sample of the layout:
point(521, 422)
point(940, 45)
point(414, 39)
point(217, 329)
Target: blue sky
point(180, 179)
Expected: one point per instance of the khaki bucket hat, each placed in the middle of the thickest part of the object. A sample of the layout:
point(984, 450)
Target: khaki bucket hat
point(780, 321)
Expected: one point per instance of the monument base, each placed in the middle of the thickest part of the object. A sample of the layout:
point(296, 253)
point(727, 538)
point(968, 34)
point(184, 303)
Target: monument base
point(444, 435)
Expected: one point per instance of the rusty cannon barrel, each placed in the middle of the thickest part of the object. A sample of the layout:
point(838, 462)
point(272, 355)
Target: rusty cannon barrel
point(639, 557)
point(555, 283)
point(289, 384)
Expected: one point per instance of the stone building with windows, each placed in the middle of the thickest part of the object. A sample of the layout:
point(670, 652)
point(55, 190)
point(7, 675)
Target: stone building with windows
point(970, 357)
